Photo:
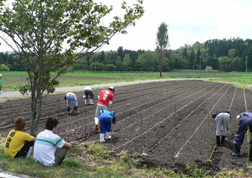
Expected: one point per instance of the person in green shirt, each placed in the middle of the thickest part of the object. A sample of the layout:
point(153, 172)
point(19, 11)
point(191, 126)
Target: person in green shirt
point(0, 83)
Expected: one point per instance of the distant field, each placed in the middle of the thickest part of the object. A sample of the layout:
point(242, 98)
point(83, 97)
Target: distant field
point(12, 80)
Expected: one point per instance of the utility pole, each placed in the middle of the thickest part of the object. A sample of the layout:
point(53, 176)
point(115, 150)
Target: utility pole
point(246, 63)
point(200, 62)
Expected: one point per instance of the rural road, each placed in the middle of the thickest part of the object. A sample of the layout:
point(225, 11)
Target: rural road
point(80, 88)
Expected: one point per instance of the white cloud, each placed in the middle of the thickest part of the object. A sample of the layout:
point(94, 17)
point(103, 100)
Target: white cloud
point(188, 21)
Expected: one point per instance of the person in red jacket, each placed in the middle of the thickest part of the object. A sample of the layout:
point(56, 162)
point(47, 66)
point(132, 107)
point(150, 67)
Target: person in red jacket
point(105, 99)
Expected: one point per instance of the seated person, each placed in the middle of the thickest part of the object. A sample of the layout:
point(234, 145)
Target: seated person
point(50, 149)
point(19, 143)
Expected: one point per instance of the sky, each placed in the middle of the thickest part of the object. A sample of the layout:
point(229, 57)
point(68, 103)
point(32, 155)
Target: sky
point(189, 21)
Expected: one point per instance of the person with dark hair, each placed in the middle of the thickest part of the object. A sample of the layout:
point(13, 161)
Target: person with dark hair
point(244, 121)
point(88, 92)
point(105, 99)
point(222, 119)
point(71, 97)
point(19, 143)
point(107, 118)
point(50, 149)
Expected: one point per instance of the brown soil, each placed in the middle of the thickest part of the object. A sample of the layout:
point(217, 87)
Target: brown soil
point(168, 123)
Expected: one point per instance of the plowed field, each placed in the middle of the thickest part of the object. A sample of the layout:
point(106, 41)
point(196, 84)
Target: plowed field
point(168, 123)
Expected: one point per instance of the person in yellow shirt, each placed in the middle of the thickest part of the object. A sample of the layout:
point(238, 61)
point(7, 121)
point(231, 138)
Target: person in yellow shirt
point(19, 143)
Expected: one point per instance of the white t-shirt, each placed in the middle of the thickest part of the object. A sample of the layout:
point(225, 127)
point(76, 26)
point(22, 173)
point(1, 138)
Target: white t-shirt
point(45, 146)
point(88, 88)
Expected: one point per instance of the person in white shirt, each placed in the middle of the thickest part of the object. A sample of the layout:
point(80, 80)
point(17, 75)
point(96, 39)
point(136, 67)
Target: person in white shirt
point(49, 148)
point(71, 97)
point(88, 92)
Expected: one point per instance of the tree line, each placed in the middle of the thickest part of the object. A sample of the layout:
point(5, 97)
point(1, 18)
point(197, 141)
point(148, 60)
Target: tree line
point(226, 55)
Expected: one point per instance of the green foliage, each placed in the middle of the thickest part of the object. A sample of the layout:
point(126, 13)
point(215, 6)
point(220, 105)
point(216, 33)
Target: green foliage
point(208, 68)
point(146, 61)
point(162, 43)
point(3, 67)
point(195, 173)
point(225, 63)
point(96, 66)
point(24, 89)
point(97, 150)
point(110, 67)
point(49, 36)
point(127, 63)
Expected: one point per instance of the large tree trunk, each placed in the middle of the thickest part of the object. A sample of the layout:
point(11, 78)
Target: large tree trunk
point(33, 127)
point(36, 105)
point(160, 71)
point(160, 61)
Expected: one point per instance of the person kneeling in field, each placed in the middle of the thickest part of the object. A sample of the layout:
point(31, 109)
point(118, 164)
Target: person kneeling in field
point(107, 118)
point(19, 143)
point(49, 148)
point(244, 121)
point(222, 119)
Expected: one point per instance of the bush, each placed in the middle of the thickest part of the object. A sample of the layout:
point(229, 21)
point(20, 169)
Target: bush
point(3, 67)
point(208, 68)
point(110, 67)
point(96, 66)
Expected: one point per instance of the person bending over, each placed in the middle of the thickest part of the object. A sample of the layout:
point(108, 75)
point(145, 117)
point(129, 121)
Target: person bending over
point(244, 121)
point(71, 97)
point(107, 119)
point(222, 119)
point(105, 99)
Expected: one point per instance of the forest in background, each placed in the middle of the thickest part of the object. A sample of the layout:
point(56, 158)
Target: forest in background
point(225, 55)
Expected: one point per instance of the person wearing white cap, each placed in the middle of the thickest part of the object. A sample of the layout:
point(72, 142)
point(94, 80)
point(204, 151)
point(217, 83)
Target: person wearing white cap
point(105, 99)
point(88, 92)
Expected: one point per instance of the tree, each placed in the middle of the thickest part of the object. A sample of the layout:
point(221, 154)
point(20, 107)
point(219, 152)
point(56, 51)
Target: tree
point(51, 35)
point(192, 58)
point(199, 58)
point(3, 67)
point(162, 43)
point(225, 63)
point(146, 61)
point(119, 64)
point(235, 64)
point(127, 62)
point(120, 52)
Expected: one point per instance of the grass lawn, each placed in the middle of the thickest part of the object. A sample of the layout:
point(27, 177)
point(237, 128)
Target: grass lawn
point(12, 80)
